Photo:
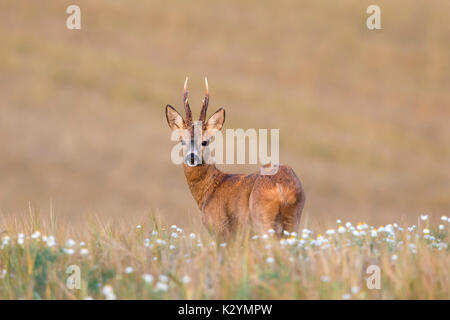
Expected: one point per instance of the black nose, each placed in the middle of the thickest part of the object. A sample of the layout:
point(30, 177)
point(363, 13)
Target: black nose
point(192, 159)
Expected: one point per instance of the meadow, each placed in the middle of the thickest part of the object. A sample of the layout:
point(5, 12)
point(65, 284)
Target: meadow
point(154, 261)
point(85, 171)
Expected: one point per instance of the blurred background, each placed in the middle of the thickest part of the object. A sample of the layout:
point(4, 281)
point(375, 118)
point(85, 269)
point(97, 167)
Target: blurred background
point(363, 115)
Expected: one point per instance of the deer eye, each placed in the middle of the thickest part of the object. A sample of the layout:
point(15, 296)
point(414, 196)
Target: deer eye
point(205, 143)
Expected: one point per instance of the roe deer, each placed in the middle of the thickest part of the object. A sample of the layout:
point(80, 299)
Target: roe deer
point(229, 201)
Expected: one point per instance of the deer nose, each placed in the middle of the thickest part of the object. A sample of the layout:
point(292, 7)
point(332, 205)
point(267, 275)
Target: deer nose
point(192, 159)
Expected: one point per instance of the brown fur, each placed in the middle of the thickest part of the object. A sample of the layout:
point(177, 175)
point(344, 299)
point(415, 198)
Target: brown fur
point(228, 202)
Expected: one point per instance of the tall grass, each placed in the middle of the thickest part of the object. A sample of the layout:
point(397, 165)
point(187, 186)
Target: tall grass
point(153, 261)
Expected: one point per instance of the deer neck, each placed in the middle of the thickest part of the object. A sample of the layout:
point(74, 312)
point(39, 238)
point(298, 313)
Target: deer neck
point(202, 181)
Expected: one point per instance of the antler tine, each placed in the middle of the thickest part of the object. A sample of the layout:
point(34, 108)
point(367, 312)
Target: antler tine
point(205, 102)
point(186, 103)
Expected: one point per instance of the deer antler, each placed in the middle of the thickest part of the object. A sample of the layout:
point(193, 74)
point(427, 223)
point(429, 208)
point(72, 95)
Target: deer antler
point(186, 103)
point(205, 103)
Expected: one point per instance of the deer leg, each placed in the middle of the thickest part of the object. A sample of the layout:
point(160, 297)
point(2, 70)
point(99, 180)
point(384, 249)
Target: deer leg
point(290, 216)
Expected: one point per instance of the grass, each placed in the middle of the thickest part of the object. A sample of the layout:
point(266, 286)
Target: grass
point(153, 261)
point(362, 118)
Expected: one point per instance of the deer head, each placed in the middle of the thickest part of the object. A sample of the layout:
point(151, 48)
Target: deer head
point(195, 136)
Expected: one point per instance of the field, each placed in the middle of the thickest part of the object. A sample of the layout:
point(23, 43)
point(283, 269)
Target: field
point(153, 261)
point(85, 147)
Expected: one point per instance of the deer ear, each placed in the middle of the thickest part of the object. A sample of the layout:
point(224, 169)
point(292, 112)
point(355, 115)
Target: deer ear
point(216, 121)
point(174, 119)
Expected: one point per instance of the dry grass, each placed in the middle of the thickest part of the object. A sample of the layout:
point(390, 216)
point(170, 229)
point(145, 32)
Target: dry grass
point(151, 261)
point(363, 119)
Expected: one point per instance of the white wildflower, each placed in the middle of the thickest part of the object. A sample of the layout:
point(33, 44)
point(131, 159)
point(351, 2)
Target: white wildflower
point(362, 226)
point(389, 228)
point(69, 251)
point(35, 235)
point(291, 241)
point(186, 279)
point(148, 278)
point(109, 292)
point(129, 270)
point(5, 241)
point(270, 260)
point(20, 239)
point(160, 286)
point(51, 241)
point(355, 289)
point(70, 243)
